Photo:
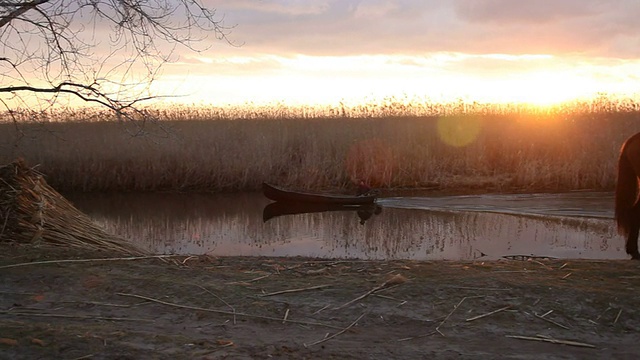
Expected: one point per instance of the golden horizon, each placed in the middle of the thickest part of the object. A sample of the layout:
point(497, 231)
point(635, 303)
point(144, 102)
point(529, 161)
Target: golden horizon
point(538, 79)
point(438, 78)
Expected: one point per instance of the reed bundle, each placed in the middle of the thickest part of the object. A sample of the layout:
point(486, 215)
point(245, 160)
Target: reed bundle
point(32, 212)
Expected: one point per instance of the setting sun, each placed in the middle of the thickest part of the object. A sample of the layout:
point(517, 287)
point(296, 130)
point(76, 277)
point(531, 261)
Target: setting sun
point(539, 88)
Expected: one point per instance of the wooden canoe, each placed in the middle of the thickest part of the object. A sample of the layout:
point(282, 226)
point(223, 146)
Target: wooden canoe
point(278, 194)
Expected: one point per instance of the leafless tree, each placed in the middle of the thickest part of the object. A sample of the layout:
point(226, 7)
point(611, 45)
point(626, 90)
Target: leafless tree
point(105, 52)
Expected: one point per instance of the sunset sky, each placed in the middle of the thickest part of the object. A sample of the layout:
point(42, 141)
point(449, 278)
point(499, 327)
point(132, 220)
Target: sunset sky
point(485, 50)
point(325, 51)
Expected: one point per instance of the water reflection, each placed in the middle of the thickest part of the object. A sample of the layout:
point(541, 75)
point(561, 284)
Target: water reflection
point(275, 209)
point(409, 228)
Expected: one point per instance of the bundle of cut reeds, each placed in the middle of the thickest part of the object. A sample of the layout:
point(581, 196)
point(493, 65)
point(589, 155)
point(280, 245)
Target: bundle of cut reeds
point(33, 212)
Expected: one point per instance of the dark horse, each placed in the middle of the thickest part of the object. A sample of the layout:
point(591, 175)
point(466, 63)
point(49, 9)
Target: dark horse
point(627, 204)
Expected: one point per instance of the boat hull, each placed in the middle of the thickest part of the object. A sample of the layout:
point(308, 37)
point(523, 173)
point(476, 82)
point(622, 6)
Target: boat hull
point(278, 194)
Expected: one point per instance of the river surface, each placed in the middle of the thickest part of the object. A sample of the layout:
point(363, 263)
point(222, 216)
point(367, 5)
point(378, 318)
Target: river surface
point(570, 225)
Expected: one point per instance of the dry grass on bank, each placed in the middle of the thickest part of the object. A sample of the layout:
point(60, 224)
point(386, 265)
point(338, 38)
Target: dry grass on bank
point(34, 213)
point(521, 150)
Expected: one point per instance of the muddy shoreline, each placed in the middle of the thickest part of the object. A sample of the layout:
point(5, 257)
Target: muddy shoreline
point(296, 308)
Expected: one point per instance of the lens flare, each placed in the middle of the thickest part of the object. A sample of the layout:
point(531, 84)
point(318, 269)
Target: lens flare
point(458, 131)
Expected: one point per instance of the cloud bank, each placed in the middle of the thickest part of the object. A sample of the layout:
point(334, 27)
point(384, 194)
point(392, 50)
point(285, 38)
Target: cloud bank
point(587, 27)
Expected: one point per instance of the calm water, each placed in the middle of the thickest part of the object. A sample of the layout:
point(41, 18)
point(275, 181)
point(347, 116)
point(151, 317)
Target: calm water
point(574, 225)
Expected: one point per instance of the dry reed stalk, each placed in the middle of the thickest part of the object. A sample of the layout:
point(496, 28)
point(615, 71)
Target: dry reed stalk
point(552, 340)
point(295, 290)
point(617, 316)
point(221, 299)
point(34, 213)
point(394, 280)
point(87, 317)
point(338, 333)
point(532, 150)
point(543, 317)
point(188, 307)
point(454, 309)
point(67, 261)
point(489, 313)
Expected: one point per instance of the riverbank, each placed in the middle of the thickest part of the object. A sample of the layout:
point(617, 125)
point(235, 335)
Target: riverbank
point(61, 303)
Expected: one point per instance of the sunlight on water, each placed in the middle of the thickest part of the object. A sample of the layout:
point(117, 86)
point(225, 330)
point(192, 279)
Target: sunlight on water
point(445, 228)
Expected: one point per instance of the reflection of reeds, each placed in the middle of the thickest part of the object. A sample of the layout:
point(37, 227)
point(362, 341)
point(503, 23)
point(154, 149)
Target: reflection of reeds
point(162, 227)
point(501, 150)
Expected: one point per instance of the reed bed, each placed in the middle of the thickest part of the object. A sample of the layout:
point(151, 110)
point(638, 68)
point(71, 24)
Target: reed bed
point(206, 149)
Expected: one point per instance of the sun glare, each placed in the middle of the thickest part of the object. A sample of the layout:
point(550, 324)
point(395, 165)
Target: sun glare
point(539, 80)
point(544, 88)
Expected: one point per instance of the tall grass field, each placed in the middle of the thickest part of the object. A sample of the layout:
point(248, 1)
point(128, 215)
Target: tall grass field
point(459, 147)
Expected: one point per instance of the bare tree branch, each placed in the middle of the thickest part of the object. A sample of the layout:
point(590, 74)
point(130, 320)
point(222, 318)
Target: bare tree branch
point(55, 47)
point(20, 9)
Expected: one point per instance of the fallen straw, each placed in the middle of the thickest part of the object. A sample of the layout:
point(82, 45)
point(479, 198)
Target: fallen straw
point(319, 310)
point(338, 333)
point(221, 299)
point(551, 340)
point(417, 336)
point(542, 317)
point(84, 317)
point(489, 313)
point(617, 316)
point(454, 309)
point(224, 312)
point(63, 261)
point(395, 280)
point(294, 290)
